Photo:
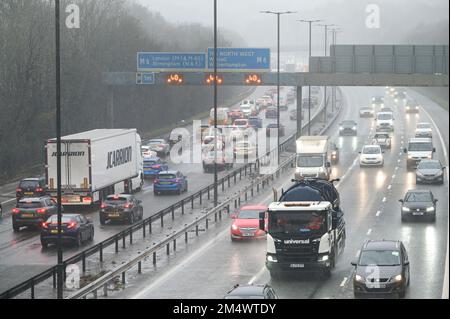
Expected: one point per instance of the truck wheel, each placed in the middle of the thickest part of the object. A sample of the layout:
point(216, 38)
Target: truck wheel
point(16, 228)
point(326, 273)
point(276, 275)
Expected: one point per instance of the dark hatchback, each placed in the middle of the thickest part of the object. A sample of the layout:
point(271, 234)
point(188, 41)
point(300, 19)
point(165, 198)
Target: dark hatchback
point(75, 228)
point(347, 128)
point(381, 270)
point(32, 212)
point(271, 112)
point(121, 207)
point(251, 292)
point(430, 171)
point(31, 187)
point(272, 128)
point(418, 203)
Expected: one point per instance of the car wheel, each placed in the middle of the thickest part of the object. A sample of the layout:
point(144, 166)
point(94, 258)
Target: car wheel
point(131, 219)
point(16, 228)
point(404, 218)
point(186, 189)
point(91, 236)
point(179, 191)
point(433, 218)
point(156, 193)
point(44, 244)
point(402, 293)
point(79, 240)
point(102, 220)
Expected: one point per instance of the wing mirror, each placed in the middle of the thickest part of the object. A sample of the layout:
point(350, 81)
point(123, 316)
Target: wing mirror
point(434, 150)
point(435, 201)
point(401, 201)
point(353, 263)
point(406, 263)
point(328, 164)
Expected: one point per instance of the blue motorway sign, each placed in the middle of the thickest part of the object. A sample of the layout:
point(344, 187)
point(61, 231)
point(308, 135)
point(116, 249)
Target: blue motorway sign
point(145, 78)
point(240, 59)
point(161, 61)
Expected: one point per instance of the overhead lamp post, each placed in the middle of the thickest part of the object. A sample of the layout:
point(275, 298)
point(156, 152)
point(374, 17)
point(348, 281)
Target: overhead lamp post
point(326, 49)
point(215, 106)
point(334, 31)
point(310, 22)
point(278, 14)
point(60, 269)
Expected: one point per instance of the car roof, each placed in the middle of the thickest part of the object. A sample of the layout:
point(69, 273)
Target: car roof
point(167, 172)
point(119, 195)
point(253, 207)
point(420, 140)
point(151, 158)
point(382, 245)
point(32, 179)
point(247, 290)
point(66, 215)
point(32, 199)
point(418, 191)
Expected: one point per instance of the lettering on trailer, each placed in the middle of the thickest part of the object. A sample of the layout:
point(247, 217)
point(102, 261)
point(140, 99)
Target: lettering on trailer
point(119, 157)
point(296, 241)
point(81, 153)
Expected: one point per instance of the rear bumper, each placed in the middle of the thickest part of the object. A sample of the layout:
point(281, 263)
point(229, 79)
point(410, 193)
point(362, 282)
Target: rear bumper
point(360, 289)
point(298, 266)
point(29, 221)
point(427, 180)
point(65, 237)
point(161, 188)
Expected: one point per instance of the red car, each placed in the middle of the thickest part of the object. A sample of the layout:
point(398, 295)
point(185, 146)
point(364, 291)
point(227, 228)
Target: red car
point(235, 114)
point(246, 223)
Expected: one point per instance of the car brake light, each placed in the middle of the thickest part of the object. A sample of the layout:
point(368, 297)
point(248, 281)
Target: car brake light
point(157, 166)
point(128, 205)
point(16, 210)
point(41, 211)
point(71, 225)
point(44, 225)
point(18, 189)
point(103, 205)
point(156, 181)
point(39, 189)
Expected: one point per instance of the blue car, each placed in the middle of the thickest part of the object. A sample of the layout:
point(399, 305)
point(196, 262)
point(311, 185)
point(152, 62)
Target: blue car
point(170, 181)
point(254, 121)
point(154, 165)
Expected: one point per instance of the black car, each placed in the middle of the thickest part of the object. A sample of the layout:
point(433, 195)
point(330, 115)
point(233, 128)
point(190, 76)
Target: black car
point(271, 112)
point(382, 269)
point(347, 127)
point(32, 211)
point(378, 100)
point(418, 203)
point(430, 171)
point(31, 187)
point(251, 292)
point(122, 207)
point(75, 228)
point(412, 106)
point(273, 126)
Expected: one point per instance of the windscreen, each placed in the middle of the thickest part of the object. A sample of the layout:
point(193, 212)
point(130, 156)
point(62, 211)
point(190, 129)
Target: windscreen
point(371, 150)
point(385, 116)
point(423, 125)
point(420, 147)
point(28, 184)
point(418, 197)
point(64, 219)
point(429, 165)
point(379, 258)
point(309, 161)
point(166, 176)
point(116, 201)
point(249, 214)
point(29, 205)
point(297, 223)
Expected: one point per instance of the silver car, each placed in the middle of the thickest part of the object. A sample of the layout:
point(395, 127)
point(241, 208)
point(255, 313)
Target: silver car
point(430, 171)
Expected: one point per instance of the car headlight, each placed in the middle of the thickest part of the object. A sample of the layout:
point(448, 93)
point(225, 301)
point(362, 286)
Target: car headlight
point(405, 209)
point(359, 278)
point(419, 173)
point(272, 258)
point(410, 156)
point(430, 209)
point(398, 278)
point(234, 227)
point(341, 128)
point(429, 156)
point(324, 258)
point(354, 127)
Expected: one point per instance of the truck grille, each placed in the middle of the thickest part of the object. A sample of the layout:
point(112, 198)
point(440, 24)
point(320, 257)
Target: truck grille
point(297, 253)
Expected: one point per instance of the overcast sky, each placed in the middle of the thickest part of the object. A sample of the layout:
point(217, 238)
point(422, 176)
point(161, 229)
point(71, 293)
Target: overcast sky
point(400, 20)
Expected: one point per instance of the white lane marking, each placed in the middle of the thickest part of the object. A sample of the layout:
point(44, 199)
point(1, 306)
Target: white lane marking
point(378, 213)
point(8, 201)
point(398, 161)
point(257, 276)
point(393, 176)
point(390, 186)
point(384, 199)
point(396, 167)
point(400, 154)
point(444, 148)
point(369, 231)
point(343, 282)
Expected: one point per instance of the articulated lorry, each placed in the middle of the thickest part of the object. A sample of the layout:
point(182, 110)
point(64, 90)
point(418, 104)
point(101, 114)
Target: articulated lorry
point(313, 157)
point(305, 229)
point(95, 164)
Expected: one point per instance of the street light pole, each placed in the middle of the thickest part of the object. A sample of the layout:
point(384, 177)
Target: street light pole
point(215, 105)
point(325, 88)
point(60, 270)
point(278, 75)
point(310, 22)
point(333, 92)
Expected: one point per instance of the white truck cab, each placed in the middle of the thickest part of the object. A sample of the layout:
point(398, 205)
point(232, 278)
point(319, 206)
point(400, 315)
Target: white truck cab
point(417, 150)
point(385, 121)
point(313, 157)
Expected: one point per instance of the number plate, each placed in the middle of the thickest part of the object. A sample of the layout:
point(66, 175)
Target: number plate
point(376, 286)
point(55, 231)
point(113, 215)
point(165, 183)
point(28, 193)
point(28, 215)
point(297, 265)
point(418, 214)
point(248, 234)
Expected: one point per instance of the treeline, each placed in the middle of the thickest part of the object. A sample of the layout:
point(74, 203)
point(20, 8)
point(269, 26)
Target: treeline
point(110, 34)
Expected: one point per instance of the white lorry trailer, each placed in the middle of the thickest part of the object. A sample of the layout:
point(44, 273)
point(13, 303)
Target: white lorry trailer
point(95, 164)
point(313, 157)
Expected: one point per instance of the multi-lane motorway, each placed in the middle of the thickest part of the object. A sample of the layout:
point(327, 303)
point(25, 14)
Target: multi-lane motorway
point(22, 255)
point(369, 198)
